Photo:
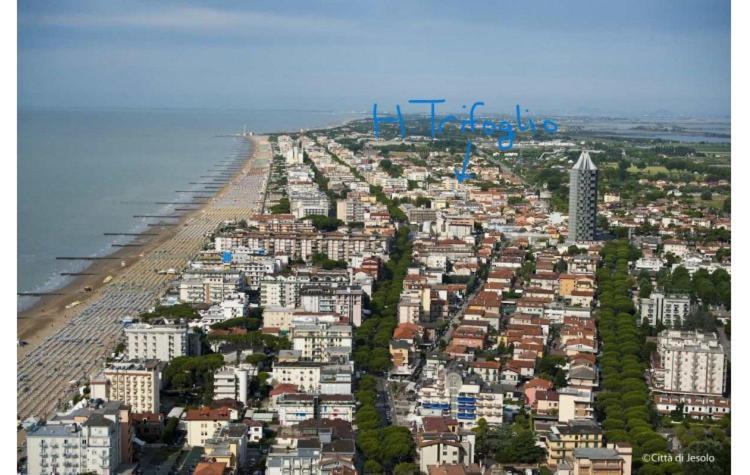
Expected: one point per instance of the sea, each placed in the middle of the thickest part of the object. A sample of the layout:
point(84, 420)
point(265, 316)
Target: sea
point(85, 172)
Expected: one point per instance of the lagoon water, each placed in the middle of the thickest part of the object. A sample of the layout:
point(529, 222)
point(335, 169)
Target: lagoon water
point(82, 173)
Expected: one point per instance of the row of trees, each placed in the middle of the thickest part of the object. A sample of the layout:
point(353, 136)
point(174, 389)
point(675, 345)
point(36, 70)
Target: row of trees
point(278, 183)
point(384, 447)
point(373, 337)
point(624, 404)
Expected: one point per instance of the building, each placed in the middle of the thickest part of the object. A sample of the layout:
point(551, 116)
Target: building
point(615, 459)
point(582, 202)
point(202, 423)
point(210, 468)
point(210, 286)
point(689, 363)
point(231, 382)
point(228, 445)
point(336, 245)
point(697, 407)
point(293, 408)
point(321, 340)
point(157, 342)
point(308, 203)
point(574, 404)
point(278, 317)
point(455, 469)
point(441, 442)
point(314, 447)
point(345, 301)
point(302, 460)
point(351, 209)
point(478, 400)
point(305, 375)
point(336, 379)
point(562, 439)
point(135, 383)
point(283, 291)
point(84, 441)
point(669, 309)
point(336, 406)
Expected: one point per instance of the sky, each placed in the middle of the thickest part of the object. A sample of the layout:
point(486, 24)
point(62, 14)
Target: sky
point(572, 57)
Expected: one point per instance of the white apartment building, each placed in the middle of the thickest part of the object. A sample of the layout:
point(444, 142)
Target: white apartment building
point(666, 308)
point(336, 406)
point(308, 203)
point(157, 342)
point(279, 292)
point(284, 290)
point(135, 383)
point(336, 379)
point(70, 449)
point(690, 363)
point(345, 301)
point(574, 404)
point(210, 286)
point(336, 245)
point(298, 461)
point(444, 448)
point(409, 307)
point(303, 374)
point(320, 338)
point(253, 266)
point(294, 408)
point(231, 382)
point(293, 156)
point(351, 210)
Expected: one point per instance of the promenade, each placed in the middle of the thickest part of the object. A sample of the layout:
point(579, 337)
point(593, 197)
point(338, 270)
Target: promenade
point(81, 345)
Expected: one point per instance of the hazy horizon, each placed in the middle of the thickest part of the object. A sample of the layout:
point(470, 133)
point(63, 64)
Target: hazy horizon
point(577, 58)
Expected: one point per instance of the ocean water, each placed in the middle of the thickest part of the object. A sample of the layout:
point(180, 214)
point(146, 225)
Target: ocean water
point(82, 173)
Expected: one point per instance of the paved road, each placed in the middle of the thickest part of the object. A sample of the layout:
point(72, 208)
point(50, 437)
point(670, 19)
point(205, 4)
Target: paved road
point(81, 345)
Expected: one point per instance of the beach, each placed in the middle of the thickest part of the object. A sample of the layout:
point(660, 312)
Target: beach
point(68, 344)
point(50, 312)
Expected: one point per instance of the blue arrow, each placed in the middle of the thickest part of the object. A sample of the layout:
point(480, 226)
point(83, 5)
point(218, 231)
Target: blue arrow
point(462, 175)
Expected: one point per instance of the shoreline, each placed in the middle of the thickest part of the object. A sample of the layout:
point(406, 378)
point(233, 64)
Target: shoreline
point(49, 313)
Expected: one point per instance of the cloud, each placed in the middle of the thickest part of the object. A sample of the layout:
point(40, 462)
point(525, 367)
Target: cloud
point(195, 19)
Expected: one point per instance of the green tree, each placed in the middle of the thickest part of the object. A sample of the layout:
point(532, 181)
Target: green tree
point(707, 448)
point(522, 449)
point(397, 445)
point(371, 467)
point(406, 468)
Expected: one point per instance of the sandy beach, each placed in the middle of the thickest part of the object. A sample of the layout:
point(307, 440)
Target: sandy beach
point(50, 312)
